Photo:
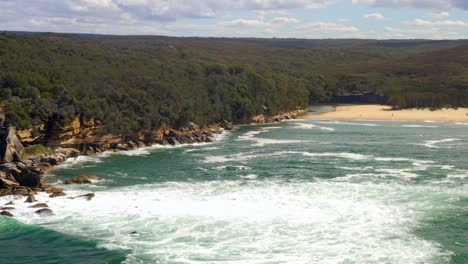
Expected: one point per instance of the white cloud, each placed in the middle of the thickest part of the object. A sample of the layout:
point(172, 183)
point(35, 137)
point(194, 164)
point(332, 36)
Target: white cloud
point(430, 4)
point(376, 16)
point(247, 23)
point(285, 20)
point(326, 27)
point(440, 14)
point(443, 23)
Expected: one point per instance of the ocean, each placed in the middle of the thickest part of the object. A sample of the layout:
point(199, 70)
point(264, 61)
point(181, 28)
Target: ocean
point(301, 191)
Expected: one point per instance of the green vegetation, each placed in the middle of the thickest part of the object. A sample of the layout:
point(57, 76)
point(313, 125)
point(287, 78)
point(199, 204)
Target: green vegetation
point(137, 83)
point(35, 150)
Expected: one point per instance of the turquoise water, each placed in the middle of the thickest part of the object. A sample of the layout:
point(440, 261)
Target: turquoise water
point(303, 191)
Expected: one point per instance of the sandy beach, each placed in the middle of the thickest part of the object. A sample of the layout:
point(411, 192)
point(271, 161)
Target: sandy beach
point(381, 112)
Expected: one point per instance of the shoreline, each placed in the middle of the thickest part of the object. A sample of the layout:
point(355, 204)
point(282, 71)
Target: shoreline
point(385, 113)
point(38, 166)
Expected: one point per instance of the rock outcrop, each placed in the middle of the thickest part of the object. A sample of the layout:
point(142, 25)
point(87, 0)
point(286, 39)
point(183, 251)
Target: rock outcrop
point(82, 180)
point(6, 213)
point(11, 149)
point(44, 212)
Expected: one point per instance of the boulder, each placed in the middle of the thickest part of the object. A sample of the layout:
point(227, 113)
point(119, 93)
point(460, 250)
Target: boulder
point(173, 141)
point(44, 212)
point(68, 152)
point(141, 144)
point(132, 145)
point(6, 213)
point(88, 196)
point(23, 191)
point(226, 125)
point(51, 189)
point(39, 205)
point(11, 149)
point(193, 126)
point(25, 175)
point(57, 194)
point(10, 203)
point(30, 199)
point(7, 208)
point(82, 180)
point(4, 183)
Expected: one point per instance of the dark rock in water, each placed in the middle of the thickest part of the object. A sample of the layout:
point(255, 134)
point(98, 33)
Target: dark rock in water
point(11, 149)
point(30, 199)
point(8, 208)
point(86, 179)
point(134, 233)
point(88, 196)
point(57, 194)
point(6, 213)
point(39, 205)
point(51, 189)
point(10, 203)
point(44, 212)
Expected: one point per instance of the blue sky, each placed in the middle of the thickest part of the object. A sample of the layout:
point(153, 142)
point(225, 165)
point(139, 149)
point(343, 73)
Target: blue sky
point(382, 19)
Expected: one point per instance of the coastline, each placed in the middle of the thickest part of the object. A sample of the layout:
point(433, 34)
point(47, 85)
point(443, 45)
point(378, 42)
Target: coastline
point(36, 167)
point(385, 113)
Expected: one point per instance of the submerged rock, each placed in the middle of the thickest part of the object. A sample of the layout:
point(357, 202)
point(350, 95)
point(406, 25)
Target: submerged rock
point(88, 196)
point(8, 208)
point(39, 205)
point(45, 212)
point(6, 213)
point(57, 194)
point(82, 180)
point(51, 189)
point(30, 199)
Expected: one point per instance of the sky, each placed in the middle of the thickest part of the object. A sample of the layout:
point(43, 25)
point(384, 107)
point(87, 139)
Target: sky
point(313, 19)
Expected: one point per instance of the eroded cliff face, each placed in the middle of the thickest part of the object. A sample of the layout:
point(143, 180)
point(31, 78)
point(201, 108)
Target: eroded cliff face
point(23, 176)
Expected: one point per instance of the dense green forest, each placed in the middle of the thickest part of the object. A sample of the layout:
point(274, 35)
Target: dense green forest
point(141, 82)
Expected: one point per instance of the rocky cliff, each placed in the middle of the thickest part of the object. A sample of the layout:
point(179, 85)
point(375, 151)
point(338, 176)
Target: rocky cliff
point(22, 175)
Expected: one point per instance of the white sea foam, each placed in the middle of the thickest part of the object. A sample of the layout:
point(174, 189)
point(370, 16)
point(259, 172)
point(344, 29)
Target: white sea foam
point(250, 177)
point(236, 167)
point(349, 123)
point(312, 126)
point(252, 221)
point(80, 161)
point(246, 156)
point(344, 155)
point(435, 143)
point(241, 157)
point(418, 126)
point(414, 161)
point(260, 142)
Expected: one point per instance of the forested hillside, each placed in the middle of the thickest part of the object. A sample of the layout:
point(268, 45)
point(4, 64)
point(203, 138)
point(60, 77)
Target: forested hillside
point(136, 83)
